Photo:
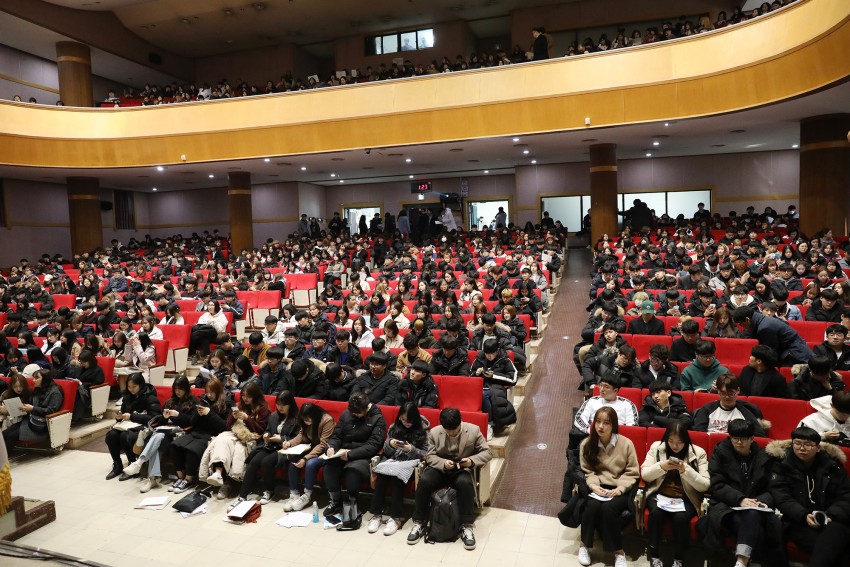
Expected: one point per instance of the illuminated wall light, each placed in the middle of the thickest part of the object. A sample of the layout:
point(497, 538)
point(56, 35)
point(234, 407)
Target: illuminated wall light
point(211, 176)
point(516, 139)
point(648, 154)
point(160, 168)
point(656, 143)
point(408, 160)
point(303, 168)
point(333, 174)
point(525, 152)
point(486, 171)
point(154, 188)
point(267, 160)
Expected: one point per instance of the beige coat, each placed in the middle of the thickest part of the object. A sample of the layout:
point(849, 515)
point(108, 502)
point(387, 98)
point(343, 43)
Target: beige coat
point(226, 449)
point(472, 444)
point(695, 480)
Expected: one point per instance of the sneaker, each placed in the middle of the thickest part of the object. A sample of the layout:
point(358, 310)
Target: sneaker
point(239, 500)
point(620, 561)
point(468, 538)
point(182, 487)
point(333, 509)
point(267, 497)
point(300, 503)
point(124, 476)
point(677, 563)
point(656, 562)
point(133, 468)
point(116, 471)
point(375, 524)
point(489, 432)
point(149, 483)
point(222, 492)
point(215, 479)
point(583, 556)
point(174, 485)
point(391, 527)
point(416, 533)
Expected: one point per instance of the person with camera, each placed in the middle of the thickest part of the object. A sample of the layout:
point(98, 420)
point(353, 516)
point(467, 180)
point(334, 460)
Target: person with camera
point(455, 448)
point(812, 491)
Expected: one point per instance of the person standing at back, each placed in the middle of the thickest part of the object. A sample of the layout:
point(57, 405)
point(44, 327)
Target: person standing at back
point(540, 47)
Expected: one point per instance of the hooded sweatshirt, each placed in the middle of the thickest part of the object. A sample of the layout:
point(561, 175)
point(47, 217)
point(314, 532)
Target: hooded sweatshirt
point(699, 377)
point(822, 420)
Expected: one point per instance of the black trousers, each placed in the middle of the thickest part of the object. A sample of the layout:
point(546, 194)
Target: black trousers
point(681, 527)
point(264, 461)
point(607, 519)
point(433, 479)
point(119, 441)
point(396, 487)
point(353, 473)
point(827, 545)
point(752, 532)
point(186, 454)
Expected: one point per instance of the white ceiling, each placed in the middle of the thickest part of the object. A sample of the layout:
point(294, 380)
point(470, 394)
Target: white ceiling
point(774, 127)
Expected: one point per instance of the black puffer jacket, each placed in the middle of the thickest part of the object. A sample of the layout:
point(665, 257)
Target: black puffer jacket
point(310, 386)
point(143, 406)
point(504, 371)
point(338, 391)
point(423, 395)
point(652, 416)
point(669, 373)
point(384, 388)
point(363, 436)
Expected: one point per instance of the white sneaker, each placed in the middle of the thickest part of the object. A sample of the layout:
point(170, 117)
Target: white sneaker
point(222, 492)
point(620, 561)
point(375, 524)
point(300, 503)
point(287, 504)
point(149, 483)
point(676, 563)
point(391, 528)
point(215, 479)
point(583, 556)
point(267, 497)
point(656, 562)
point(239, 500)
point(134, 468)
point(489, 432)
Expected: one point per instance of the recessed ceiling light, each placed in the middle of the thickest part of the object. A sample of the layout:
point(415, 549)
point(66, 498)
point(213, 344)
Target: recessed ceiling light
point(656, 143)
point(533, 161)
point(303, 168)
point(516, 139)
point(211, 175)
point(648, 154)
point(160, 168)
point(486, 171)
point(154, 188)
point(525, 152)
point(410, 177)
point(333, 174)
point(408, 160)
point(267, 160)
point(795, 146)
point(342, 180)
point(666, 124)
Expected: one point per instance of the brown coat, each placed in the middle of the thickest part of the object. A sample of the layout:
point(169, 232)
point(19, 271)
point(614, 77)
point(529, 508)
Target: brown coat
point(320, 445)
point(404, 359)
point(472, 444)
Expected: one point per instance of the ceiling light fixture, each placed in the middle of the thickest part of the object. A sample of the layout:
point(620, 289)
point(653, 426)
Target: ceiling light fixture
point(154, 188)
point(267, 160)
point(525, 152)
point(666, 124)
point(486, 171)
point(342, 180)
point(333, 174)
point(303, 168)
point(211, 175)
point(410, 177)
point(656, 143)
point(795, 146)
point(160, 168)
point(648, 154)
point(534, 161)
point(408, 160)
point(516, 139)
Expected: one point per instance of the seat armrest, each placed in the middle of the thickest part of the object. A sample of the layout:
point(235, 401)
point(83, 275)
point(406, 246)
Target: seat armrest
point(157, 375)
point(59, 428)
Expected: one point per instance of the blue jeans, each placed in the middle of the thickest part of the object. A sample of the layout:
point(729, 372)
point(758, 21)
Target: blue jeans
point(311, 469)
point(486, 406)
point(150, 454)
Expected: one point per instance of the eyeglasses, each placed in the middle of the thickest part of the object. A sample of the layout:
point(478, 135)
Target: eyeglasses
point(705, 356)
point(805, 445)
point(741, 440)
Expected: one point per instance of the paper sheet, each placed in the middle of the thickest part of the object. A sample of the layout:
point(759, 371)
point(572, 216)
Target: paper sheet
point(600, 498)
point(756, 508)
point(295, 520)
point(13, 406)
point(296, 450)
point(670, 504)
point(336, 455)
point(153, 503)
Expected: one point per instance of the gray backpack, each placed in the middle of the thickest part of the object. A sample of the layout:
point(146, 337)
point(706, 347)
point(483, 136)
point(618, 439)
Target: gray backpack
point(444, 518)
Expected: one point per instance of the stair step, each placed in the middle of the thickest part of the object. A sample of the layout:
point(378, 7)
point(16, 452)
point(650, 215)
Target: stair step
point(533, 346)
point(82, 434)
point(521, 385)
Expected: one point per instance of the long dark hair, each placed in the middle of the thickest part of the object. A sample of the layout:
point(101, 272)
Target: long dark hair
point(315, 413)
point(243, 363)
point(26, 393)
point(590, 452)
point(287, 399)
point(215, 387)
point(678, 429)
point(187, 401)
point(258, 401)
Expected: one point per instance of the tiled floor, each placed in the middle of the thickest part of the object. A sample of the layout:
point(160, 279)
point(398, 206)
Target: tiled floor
point(96, 521)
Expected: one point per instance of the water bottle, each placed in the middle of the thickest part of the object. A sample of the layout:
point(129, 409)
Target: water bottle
point(315, 513)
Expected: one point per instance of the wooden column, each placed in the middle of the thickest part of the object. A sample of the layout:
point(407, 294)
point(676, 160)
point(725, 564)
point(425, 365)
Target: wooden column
point(74, 65)
point(84, 214)
point(241, 216)
point(603, 190)
point(825, 174)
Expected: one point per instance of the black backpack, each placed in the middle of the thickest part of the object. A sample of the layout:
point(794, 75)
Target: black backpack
point(444, 518)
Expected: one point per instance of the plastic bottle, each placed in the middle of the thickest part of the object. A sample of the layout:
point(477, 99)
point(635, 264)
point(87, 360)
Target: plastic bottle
point(315, 512)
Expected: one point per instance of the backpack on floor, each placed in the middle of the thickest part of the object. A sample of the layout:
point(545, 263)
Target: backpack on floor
point(444, 518)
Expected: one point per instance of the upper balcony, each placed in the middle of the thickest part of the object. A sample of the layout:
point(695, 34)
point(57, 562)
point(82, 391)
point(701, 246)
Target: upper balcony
point(781, 56)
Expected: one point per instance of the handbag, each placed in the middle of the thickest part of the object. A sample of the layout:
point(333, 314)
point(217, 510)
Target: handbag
point(402, 470)
point(141, 439)
point(37, 423)
point(190, 502)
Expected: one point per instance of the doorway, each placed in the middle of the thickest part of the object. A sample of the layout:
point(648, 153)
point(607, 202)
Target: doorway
point(353, 214)
point(483, 213)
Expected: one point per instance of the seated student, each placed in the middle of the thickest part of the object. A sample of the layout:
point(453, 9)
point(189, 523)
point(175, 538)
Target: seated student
point(407, 440)
point(337, 384)
point(344, 352)
point(704, 304)
point(778, 335)
point(273, 374)
point(811, 489)
point(610, 466)
point(225, 456)
point(282, 426)
point(454, 449)
point(740, 472)
point(358, 436)
point(304, 379)
point(208, 420)
point(456, 330)
point(319, 347)
point(418, 388)
point(304, 327)
point(672, 304)
point(450, 360)
point(830, 418)
point(826, 307)
point(677, 469)
point(18, 388)
point(834, 347)
point(784, 310)
point(382, 385)
point(273, 330)
point(701, 374)
point(315, 429)
point(149, 327)
point(177, 411)
point(714, 417)
point(657, 367)
point(256, 349)
point(721, 325)
point(412, 353)
point(291, 347)
point(684, 348)
point(760, 377)
point(499, 373)
point(86, 374)
point(217, 366)
point(13, 361)
point(815, 380)
point(647, 323)
point(662, 406)
point(141, 353)
point(609, 385)
point(623, 363)
point(361, 334)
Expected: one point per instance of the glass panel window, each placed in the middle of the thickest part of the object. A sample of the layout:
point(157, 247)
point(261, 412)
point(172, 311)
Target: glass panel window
point(425, 39)
point(685, 202)
point(390, 43)
point(377, 47)
point(408, 41)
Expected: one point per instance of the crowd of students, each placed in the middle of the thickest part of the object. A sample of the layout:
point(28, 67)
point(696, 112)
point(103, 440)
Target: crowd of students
point(739, 288)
